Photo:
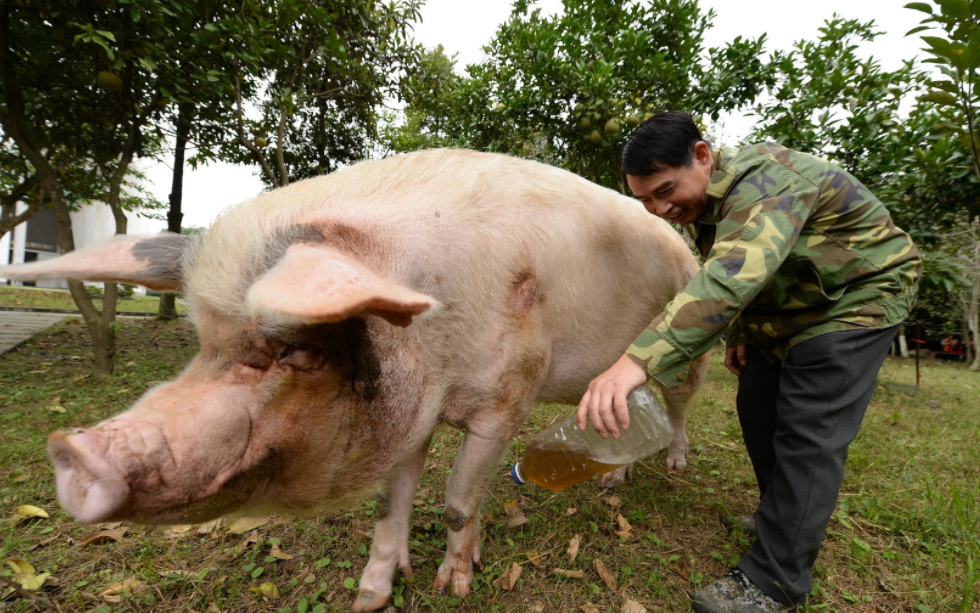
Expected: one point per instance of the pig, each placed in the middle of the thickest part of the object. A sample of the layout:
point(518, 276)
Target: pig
point(343, 318)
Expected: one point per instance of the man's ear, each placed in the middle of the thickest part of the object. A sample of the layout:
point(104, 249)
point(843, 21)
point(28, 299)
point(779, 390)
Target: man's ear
point(702, 154)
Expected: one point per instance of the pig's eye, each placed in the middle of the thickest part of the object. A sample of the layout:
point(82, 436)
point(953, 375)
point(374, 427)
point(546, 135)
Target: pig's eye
point(257, 359)
point(300, 358)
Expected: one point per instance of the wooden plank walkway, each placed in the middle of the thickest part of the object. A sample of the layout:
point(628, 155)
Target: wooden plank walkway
point(18, 326)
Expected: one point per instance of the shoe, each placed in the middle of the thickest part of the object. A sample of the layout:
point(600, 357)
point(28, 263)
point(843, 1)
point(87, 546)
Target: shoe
point(735, 593)
point(745, 523)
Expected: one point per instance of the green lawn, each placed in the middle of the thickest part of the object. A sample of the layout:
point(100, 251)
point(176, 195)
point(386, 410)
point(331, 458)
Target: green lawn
point(907, 522)
point(28, 297)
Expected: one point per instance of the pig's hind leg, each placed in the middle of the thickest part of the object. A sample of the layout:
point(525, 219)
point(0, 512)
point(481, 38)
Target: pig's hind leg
point(679, 400)
point(390, 545)
point(476, 463)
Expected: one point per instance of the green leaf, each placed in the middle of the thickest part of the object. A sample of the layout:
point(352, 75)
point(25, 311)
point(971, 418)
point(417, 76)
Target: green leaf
point(955, 8)
point(939, 97)
point(107, 34)
point(148, 63)
point(940, 47)
point(919, 6)
point(349, 583)
point(916, 30)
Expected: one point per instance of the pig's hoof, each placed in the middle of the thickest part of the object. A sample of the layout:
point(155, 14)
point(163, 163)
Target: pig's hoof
point(458, 581)
point(369, 600)
point(615, 477)
point(677, 456)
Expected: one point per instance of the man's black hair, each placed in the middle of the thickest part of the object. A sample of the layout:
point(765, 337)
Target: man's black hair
point(666, 140)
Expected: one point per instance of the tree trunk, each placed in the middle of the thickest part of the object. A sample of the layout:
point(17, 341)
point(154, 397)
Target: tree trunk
point(168, 302)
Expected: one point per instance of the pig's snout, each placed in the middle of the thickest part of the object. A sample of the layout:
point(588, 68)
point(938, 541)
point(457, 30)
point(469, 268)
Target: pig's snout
point(90, 487)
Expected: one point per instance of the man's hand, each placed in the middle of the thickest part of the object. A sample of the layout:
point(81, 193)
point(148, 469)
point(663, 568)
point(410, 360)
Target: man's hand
point(735, 359)
point(605, 399)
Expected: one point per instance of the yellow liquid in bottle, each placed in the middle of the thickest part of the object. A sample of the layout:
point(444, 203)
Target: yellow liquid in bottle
point(555, 466)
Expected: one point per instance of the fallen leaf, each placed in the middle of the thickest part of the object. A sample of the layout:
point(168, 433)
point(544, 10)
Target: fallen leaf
point(178, 530)
point(509, 579)
point(30, 581)
point(20, 566)
point(932, 403)
point(105, 536)
point(590, 608)
point(113, 592)
point(27, 511)
point(681, 568)
point(623, 524)
point(517, 517)
point(570, 574)
point(182, 573)
point(632, 606)
point(533, 557)
point(251, 540)
point(110, 526)
point(604, 573)
point(243, 525)
point(613, 501)
point(571, 511)
point(874, 609)
point(573, 547)
point(538, 607)
point(44, 542)
point(17, 476)
point(267, 589)
point(626, 536)
point(57, 409)
point(209, 527)
point(279, 554)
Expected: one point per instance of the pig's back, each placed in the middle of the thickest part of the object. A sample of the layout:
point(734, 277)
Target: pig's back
point(519, 254)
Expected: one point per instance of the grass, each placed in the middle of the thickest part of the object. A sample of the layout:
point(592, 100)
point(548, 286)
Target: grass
point(37, 298)
point(906, 528)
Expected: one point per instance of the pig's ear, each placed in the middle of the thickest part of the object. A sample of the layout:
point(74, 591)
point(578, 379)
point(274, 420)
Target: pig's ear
point(152, 261)
point(314, 284)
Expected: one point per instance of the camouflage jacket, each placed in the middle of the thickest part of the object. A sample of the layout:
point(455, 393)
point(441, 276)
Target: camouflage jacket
point(793, 247)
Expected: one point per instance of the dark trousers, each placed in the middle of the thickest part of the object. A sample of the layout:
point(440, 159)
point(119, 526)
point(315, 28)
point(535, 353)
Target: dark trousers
point(798, 418)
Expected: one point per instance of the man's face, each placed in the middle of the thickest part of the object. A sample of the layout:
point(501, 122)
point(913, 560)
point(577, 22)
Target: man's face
point(677, 193)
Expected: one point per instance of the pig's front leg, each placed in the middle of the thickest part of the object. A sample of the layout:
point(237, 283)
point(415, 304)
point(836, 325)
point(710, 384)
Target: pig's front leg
point(390, 545)
point(680, 400)
point(477, 461)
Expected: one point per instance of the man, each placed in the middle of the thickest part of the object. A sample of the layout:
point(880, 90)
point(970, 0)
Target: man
point(809, 277)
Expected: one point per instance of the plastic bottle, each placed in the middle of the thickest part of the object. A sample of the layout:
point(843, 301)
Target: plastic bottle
point(563, 455)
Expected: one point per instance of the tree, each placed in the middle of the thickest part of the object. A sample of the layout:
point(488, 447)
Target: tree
point(91, 104)
point(564, 89)
point(317, 72)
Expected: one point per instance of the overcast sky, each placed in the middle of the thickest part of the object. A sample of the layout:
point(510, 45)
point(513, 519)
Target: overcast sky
point(464, 28)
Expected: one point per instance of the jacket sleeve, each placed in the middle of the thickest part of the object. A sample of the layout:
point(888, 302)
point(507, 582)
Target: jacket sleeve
point(760, 220)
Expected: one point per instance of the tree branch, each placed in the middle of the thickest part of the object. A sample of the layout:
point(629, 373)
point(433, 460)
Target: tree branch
point(244, 141)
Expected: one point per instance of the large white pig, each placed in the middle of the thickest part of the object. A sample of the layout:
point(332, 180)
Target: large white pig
point(343, 318)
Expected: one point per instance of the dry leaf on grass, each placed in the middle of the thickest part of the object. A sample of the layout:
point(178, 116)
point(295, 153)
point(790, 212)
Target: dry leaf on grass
point(604, 573)
point(29, 511)
point(114, 592)
point(176, 531)
point(632, 606)
point(571, 511)
point(245, 524)
point(681, 568)
point(509, 579)
point(105, 536)
point(248, 542)
point(44, 542)
point(623, 524)
point(590, 608)
point(538, 607)
point(515, 514)
point(570, 574)
point(110, 526)
point(24, 575)
point(573, 547)
point(279, 554)
point(210, 527)
point(613, 501)
point(534, 558)
point(182, 573)
point(874, 609)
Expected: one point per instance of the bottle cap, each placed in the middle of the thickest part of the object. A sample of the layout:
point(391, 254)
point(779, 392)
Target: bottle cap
point(515, 474)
